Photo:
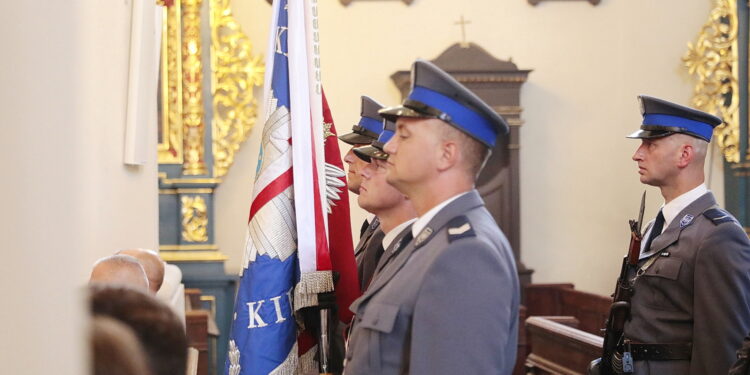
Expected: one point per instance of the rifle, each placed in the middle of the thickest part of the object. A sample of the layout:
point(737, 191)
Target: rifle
point(612, 362)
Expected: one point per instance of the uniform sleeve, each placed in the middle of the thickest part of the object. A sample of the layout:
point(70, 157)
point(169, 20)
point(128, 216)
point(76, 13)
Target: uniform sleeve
point(721, 301)
point(465, 318)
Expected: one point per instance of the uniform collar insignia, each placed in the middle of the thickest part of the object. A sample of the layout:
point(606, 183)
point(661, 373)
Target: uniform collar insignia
point(423, 235)
point(686, 220)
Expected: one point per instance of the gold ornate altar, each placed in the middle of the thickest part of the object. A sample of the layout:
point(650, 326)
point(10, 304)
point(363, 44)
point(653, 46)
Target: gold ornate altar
point(208, 71)
point(193, 156)
point(722, 88)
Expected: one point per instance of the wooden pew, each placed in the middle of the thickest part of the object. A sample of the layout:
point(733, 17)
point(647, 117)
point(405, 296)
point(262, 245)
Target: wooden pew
point(563, 304)
point(563, 300)
point(196, 325)
point(199, 325)
point(557, 348)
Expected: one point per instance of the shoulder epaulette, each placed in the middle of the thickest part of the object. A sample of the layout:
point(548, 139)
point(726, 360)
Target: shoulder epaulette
point(718, 216)
point(459, 227)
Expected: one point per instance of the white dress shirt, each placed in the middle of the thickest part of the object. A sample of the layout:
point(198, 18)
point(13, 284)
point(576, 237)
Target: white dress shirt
point(672, 209)
point(391, 235)
point(423, 220)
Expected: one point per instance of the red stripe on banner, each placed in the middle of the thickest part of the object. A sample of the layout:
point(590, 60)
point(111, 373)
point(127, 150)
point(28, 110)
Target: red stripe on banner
point(340, 245)
point(322, 256)
point(273, 189)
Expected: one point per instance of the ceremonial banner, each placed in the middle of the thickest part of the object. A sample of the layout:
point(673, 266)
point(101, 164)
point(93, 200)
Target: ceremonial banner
point(299, 187)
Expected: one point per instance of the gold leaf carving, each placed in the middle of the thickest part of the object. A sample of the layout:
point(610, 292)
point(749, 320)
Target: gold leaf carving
point(170, 146)
point(713, 59)
point(194, 219)
point(235, 72)
point(192, 97)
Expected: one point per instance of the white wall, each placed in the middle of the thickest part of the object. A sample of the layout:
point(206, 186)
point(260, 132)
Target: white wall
point(66, 197)
point(578, 184)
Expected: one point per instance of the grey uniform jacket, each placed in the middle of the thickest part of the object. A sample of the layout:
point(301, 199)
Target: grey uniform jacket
point(697, 290)
point(446, 304)
point(368, 252)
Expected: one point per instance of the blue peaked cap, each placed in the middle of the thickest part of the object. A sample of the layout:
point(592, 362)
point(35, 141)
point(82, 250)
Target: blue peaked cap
point(435, 94)
point(370, 124)
point(662, 118)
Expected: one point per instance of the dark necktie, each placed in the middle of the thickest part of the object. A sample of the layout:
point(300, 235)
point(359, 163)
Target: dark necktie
point(395, 251)
point(364, 227)
point(655, 230)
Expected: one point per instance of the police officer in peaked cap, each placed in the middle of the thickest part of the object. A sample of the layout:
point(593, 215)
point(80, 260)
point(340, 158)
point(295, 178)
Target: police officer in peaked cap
point(691, 303)
point(363, 133)
point(448, 302)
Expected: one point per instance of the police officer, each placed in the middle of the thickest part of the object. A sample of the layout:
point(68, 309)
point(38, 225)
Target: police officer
point(691, 305)
point(393, 209)
point(448, 302)
point(365, 132)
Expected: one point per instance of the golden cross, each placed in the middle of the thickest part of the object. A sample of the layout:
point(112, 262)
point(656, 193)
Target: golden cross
point(463, 24)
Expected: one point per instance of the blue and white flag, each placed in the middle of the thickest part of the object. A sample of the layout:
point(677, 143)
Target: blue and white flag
point(285, 265)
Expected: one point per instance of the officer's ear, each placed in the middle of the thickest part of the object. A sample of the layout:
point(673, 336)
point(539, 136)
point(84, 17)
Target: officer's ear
point(449, 154)
point(686, 156)
point(450, 148)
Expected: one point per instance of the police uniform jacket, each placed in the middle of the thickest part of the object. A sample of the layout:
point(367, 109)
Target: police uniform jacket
point(696, 291)
point(368, 252)
point(446, 304)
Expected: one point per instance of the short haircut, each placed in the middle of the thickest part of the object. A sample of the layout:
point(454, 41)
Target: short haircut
point(152, 264)
point(475, 153)
point(155, 324)
point(115, 349)
point(119, 269)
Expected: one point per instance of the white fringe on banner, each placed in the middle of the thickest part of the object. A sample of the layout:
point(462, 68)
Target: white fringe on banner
point(307, 364)
point(310, 284)
point(290, 364)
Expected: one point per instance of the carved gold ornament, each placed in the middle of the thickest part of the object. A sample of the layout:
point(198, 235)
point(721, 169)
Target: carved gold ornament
point(170, 145)
point(192, 97)
point(194, 219)
point(713, 59)
point(235, 72)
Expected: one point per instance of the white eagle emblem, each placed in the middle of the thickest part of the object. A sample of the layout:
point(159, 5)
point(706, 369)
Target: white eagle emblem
point(334, 185)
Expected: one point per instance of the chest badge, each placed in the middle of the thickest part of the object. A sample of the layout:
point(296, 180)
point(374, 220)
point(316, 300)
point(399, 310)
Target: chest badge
point(686, 220)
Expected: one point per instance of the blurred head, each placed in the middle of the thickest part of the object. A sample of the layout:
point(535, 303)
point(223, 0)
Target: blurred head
point(157, 327)
point(152, 264)
point(119, 270)
point(354, 166)
point(115, 349)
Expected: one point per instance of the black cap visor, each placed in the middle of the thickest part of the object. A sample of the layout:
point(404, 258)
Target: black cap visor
point(648, 134)
point(367, 153)
point(356, 139)
point(393, 113)
point(415, 109)
point(658, 131)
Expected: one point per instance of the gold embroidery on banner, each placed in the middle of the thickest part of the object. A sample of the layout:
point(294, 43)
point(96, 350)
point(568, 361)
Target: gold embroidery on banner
point(327, 130)
point(192, 97)
point(170, 145)
point(235, 72)
point(194, 219)
point(713, 59)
